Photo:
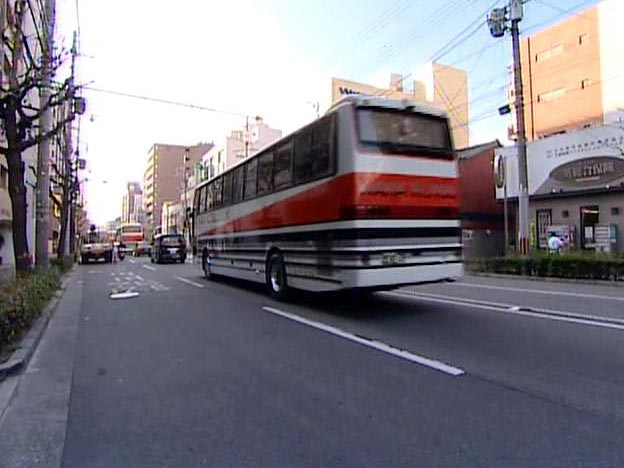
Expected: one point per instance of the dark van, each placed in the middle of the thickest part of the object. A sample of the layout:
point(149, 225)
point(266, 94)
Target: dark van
point(168, 248)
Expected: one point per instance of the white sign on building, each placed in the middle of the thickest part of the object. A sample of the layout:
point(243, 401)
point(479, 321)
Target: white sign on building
point(588, 159)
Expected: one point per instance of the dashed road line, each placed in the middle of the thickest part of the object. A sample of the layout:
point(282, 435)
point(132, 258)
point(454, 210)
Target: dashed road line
point(371, 343)
point(187, 281)
point(150, 268)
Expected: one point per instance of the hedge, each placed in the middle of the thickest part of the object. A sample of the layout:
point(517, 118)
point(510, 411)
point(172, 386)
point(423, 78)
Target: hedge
point(22, 301)
point(574, 265)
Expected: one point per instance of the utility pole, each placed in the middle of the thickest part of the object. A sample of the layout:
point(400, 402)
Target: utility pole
point(497, 23)
point(73, 176)
point(185, 175)
point(43, 153)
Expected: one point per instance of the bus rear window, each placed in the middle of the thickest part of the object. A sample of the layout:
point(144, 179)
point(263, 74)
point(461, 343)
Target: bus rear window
point(403, 131)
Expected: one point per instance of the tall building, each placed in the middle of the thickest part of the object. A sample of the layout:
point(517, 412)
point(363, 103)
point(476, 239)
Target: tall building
point(132, 204)
point(439, 85)
point(164, 177)
point(573, 72)
point(240, 144)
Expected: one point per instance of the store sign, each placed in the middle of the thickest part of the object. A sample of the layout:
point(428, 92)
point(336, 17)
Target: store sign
point(588, 159)
point(589, 171)
point(347, 91)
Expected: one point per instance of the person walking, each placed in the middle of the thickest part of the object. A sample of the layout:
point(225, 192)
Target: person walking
point(554, 243)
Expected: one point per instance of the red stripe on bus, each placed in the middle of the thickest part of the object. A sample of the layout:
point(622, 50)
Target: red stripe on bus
point(357, 196)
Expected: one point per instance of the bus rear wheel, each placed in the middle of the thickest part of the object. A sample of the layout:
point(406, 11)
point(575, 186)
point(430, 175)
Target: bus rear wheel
point(276, 279)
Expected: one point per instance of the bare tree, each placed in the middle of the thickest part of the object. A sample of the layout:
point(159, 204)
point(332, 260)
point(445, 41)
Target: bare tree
point(18, 114)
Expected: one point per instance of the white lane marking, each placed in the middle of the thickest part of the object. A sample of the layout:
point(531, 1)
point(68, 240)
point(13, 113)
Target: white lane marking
point(147, 267)
point(540, 291)
point(193, 283)
point(132, 261)
point(378, 345)
point(559, 316)
point(124, 295)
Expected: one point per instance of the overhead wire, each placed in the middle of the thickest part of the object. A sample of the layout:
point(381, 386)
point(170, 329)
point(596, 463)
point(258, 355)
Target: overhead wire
point(404, 41)
point(166, 101)
point(378, 23)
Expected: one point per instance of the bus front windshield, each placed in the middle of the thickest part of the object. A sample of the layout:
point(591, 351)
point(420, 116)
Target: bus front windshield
point(403, 131)
point(131, 229)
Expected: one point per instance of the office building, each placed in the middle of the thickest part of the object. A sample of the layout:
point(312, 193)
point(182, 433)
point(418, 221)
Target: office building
point(164, 177)
point(573, 73)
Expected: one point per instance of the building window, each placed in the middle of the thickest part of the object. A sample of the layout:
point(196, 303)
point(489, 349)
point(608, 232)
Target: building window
point(565, 214)
point(615, 210)
point(583, 39)
point(585, 83)
point(548, 53)
point(550, 95)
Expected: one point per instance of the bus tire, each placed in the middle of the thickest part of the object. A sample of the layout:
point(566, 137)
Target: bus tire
point(276, 279)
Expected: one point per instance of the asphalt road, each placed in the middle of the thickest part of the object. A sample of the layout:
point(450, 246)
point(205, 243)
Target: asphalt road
point(483, 372)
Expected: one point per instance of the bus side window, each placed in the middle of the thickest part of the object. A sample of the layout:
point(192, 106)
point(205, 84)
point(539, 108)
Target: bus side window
point(303, 157)
point(265, 174)
point(196, 199)
point(227, 188)
point(217, 193)
point(282, 166)
point(239, 179)
point(251, 172)
point(203, 200)
point(321, 148)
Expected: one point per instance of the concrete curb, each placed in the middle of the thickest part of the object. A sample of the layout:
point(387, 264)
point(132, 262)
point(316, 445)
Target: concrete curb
point(21, 356)
point(548, 279)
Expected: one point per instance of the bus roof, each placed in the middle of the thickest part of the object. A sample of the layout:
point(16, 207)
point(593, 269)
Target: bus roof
point(362, 100)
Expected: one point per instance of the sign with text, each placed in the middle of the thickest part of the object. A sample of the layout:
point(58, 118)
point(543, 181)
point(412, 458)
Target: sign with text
point(592, 158)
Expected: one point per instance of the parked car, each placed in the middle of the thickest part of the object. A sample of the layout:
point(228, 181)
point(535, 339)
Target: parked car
point(169, 248)
point(143, 248)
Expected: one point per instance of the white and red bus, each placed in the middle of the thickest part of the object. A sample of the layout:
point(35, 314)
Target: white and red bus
point(364, 197)
point(130, 234)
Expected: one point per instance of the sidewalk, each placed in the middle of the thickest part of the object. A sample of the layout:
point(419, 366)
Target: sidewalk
point(33, 424)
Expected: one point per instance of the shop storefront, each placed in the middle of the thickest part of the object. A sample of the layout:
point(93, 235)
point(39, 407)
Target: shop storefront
point(576, 187)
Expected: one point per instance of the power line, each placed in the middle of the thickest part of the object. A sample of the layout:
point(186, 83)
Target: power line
point(405, 41)
point(478, 21)
point(166, 101)
point(378, 23)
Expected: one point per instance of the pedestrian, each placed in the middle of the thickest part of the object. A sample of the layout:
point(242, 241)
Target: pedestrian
point(554, 243)
point(115, 252)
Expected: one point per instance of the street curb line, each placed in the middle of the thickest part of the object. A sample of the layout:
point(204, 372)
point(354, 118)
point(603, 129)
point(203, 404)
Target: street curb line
point(549, 279)
point(21, 356)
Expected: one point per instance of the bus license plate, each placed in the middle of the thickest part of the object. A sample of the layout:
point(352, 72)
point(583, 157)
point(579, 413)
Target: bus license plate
point(392, 259)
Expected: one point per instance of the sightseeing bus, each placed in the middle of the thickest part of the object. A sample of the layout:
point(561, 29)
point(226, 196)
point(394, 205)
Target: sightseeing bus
point(364, 197)
point(130, 234)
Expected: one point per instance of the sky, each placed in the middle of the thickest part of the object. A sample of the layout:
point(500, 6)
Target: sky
point(272, 58)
